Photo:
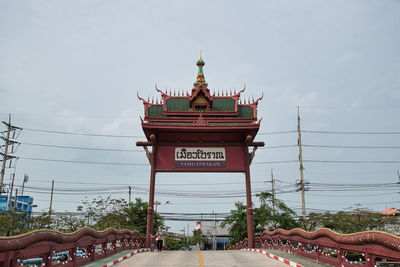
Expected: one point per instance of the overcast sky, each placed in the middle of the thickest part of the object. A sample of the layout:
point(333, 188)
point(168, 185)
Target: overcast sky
point(76, 66)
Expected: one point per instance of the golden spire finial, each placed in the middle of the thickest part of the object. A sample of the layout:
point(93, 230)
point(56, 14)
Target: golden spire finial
point(200, 75)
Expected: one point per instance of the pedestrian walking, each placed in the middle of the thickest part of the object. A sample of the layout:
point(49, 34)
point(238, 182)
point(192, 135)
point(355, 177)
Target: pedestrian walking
point(159, 238)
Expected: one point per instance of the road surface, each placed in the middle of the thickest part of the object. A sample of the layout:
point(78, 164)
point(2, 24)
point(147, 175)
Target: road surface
point(200, 259)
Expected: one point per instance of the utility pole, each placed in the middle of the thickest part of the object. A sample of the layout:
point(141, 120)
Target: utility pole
point(187, 236)
point(273, 192)
point(26, 178)
point(303, 202)
point(130, 192)
point(3, 166)
point(398, 175)
point(215, 233)
point(11, 190)
point(51, 201)
point(15, 200)
point(8, 142)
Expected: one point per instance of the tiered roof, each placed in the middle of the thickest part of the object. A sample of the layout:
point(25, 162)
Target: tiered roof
point(200, 108)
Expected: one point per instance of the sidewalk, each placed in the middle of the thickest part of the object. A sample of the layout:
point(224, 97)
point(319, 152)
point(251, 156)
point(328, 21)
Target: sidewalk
point(109, 259)
point(300, 260)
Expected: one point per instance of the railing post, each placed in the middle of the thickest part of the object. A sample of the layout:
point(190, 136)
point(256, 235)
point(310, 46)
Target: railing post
point(73, 254)
point(340, 256)
point(104, 248)
point(319, 251)
point(12, 259)
point(114, 246)
point(49, 257)
point(369, 259)
point(91, 248)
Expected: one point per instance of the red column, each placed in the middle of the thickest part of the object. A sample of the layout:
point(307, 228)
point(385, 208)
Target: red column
point(249, 211)
point(150, 210)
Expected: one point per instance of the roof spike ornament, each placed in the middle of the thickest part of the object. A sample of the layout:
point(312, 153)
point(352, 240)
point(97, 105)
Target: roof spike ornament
point(200, 80)
point(230, 91)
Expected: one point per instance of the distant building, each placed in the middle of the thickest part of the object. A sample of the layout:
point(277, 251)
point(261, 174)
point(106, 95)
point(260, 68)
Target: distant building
point(174, 236)
point(23, 204)
point(217, 236)
point(391, 211)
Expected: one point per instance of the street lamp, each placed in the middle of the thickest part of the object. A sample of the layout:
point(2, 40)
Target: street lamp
point(159, 203)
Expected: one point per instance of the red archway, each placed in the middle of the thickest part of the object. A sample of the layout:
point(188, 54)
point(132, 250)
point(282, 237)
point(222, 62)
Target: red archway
point(200, 132)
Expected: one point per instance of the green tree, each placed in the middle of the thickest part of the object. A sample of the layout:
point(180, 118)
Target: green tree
point(357, 220)
point(136, 217)
point(198, 238)
point(68, 222)
point(172, 244)
point(236, 223)
point(102, 213)
point(39, 222)
point(271, 214)
point(13, 223)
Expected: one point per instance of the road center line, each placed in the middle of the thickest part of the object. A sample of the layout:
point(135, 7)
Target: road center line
point(201, 259)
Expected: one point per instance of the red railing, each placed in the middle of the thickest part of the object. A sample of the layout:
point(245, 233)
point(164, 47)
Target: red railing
point(53, 248)
point(371, 248)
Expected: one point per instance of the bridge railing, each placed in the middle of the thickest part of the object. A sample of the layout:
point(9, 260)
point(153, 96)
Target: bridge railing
point(53, 248)
point(370, 248)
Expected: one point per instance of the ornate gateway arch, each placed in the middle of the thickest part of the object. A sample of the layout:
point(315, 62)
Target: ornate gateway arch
point(200, 132)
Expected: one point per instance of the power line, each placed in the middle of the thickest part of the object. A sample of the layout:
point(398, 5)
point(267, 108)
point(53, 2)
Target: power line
point(85, 134)
point(273, 162)
point(332, 161)
point(368, 195)
point(130, 184)
point(86, 162)
point(355, 161)
point(272, 147)
point(82, 148)
point(280, 132)
point(355, 147)
point(346, 132)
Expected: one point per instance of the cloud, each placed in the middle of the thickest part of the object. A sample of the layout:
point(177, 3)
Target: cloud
point(291, 96)
point(348, 57)
point(126, 123)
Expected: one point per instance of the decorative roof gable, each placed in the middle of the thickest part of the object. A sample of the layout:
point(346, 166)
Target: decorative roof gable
point(200, 108)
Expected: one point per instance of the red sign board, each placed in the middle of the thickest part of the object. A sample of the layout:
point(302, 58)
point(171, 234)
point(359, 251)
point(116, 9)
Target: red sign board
point(203, 159)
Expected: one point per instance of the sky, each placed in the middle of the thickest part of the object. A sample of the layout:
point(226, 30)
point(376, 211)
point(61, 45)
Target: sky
point(77, 67)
